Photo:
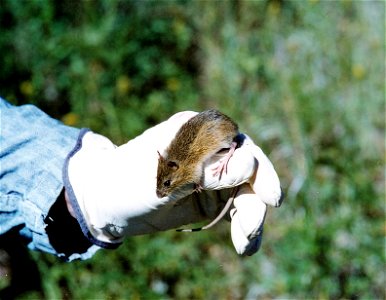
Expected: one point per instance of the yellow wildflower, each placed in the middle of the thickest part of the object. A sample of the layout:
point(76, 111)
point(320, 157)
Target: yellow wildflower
point(173, 84)
point(358, 71)
point(26, 88)
point(70, 119)
point(123, 85)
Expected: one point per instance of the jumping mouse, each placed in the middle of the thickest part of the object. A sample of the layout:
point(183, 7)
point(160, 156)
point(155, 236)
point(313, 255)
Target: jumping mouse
point(202, 136)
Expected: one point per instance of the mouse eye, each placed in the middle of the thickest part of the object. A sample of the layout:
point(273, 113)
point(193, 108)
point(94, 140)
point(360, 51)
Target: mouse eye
point(167, 183)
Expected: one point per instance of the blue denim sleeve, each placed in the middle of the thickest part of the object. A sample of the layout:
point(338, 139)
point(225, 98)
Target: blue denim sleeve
point(33, 149)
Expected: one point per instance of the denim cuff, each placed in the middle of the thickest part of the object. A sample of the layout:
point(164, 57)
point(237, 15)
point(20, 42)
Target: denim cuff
point(33, 151)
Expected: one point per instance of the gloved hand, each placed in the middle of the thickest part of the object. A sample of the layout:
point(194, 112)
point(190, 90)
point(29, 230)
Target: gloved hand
point(113, 189)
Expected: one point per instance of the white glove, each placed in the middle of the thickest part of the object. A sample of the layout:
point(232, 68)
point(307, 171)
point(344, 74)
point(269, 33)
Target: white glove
point(114, 188)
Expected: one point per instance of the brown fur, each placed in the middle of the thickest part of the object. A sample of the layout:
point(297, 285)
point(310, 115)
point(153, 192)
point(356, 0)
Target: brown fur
point(197, 140)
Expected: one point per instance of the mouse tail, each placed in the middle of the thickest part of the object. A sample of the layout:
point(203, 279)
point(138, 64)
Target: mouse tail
point(190, 230)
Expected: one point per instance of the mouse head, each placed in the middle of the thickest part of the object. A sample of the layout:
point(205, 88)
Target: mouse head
point(176, 177)
point(173, 176)
point(166, 174)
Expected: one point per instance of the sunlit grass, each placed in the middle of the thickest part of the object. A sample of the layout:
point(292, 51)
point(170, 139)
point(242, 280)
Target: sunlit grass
point(305, 79)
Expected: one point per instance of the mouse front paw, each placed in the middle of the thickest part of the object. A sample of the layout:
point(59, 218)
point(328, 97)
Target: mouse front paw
point(198, 188)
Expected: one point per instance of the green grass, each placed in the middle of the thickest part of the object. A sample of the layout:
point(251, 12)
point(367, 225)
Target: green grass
point(305, 79)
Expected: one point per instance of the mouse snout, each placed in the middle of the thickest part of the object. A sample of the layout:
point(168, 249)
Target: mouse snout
point(160, 194)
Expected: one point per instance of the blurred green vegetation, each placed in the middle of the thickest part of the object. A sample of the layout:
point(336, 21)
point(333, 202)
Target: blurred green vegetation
point(305, 79)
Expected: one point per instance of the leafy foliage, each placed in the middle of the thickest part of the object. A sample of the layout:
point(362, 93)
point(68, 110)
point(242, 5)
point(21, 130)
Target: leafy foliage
point(305, 79)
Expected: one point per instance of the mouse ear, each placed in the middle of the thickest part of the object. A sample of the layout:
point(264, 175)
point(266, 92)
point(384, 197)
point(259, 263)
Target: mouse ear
point(160, 157)
point(173, 165)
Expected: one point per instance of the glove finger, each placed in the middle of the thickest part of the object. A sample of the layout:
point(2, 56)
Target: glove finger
point(247, 221)
point(251, 211)
point(242, 244)
point(265, 183)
